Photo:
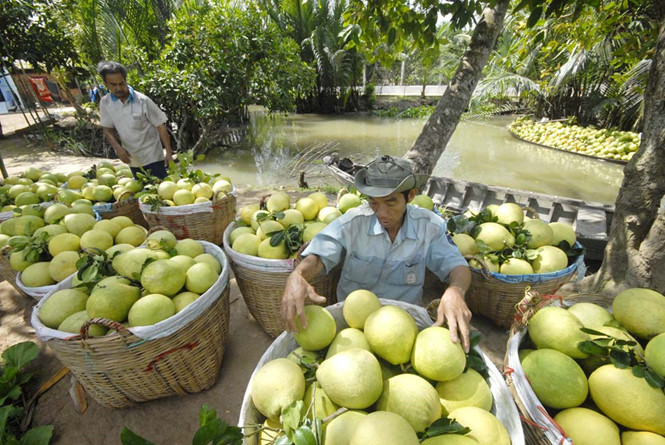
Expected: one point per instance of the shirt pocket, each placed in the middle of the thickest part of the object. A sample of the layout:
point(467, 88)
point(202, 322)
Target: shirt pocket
point(366, 271)
point(138, 121)
point(409, 272)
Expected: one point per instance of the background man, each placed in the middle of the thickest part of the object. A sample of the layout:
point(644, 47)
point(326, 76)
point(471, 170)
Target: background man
point(386, 247)
point(138, 122)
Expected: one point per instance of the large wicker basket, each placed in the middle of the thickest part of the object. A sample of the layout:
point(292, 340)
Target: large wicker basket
point(494, 295)
point(177, 356)
point(205, 221)
point(262, 282)
point(503, 408)
point(539, 427)
point(125, 207)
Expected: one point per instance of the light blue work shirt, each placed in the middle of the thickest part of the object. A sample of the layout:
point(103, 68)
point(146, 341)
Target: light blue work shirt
point(392, 270)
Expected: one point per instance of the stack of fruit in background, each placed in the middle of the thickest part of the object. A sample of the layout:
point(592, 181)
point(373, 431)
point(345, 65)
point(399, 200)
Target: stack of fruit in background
point(601, 375)
point(33, 186)
point(136, 286)
point(381, 380)
point(601, 143)
point(104, 183)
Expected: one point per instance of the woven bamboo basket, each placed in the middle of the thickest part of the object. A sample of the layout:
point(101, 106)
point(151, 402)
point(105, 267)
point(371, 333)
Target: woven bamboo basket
point(503, 407)
point(178, 356)
point(262, 282)
point(205, 221)
point(539, 427)
point(128, 207)
point(494, 295)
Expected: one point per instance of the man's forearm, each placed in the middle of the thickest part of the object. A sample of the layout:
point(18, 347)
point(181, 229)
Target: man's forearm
point(110, 137)
point(309, 267)
point(165, 138)
point(460, 277)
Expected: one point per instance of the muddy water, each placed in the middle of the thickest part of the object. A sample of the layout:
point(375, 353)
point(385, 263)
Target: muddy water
point(480, 150)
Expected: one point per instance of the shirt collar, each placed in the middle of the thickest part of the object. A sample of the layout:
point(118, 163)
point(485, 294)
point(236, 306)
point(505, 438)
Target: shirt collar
point(408, 229)
point(131, 95)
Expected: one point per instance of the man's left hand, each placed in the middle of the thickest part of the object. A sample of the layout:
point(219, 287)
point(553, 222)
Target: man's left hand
point(453, 310)
point(168, 157)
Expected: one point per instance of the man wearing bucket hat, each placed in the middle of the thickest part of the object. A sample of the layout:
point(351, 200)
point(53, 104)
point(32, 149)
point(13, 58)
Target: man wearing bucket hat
point(386, 247)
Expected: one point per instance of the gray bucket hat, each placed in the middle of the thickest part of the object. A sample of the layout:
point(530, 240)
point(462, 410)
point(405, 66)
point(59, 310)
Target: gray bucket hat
point(386, 175)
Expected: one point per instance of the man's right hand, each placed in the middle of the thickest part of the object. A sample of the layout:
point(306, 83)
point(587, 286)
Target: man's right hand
point(293, 300)
point(123, 154)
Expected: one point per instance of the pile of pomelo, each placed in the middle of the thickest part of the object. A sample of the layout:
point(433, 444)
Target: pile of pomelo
point(146, 285)
point(31, 187)
point(605, 385)
point(510, 243)
point(381, 381)
point(103, 184)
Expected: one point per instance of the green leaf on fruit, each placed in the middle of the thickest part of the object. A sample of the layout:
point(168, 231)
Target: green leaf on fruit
point(442, 426)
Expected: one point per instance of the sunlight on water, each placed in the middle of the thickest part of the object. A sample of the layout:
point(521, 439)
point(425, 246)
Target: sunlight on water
point(480, 150)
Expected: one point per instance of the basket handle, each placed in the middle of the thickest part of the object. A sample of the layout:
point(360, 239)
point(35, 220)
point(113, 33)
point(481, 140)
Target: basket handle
point(154, 229)
point(84, 334)
point(120, 196)
point(528, 306)
point(484, 270)
point(216, 197)
point(531, 212)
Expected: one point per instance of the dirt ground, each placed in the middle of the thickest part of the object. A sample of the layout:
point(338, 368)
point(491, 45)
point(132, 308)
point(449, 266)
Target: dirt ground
point(171, 420)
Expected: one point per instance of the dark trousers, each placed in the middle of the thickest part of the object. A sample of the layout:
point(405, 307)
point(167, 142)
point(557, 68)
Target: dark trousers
point(157, 169)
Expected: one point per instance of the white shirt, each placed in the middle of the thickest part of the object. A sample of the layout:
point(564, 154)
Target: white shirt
point(136, 121)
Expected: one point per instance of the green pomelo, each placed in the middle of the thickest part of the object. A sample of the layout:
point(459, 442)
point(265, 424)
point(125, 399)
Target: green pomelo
point(516, 266)
point(259, 216)
point(183, 261)
point(166, 189)
point(278, 202)
point(495, 236)
point(275, 386)
point(550, 259)
point(641, 438)
point(110, 281)
point(312, 230)
point(555, 328)
point(51, 230)
point(317, 403)
point(112, 301)
point(183, 197)
point(270, 433)
point(320, 331)
point(96, 239)
point(557, 379)
point(348, 201)
point(268, 251)
point(509, 212)
point(189, 247)
point(3, 239)
point(161, 239)
point(541, 233)
point(202, 190)
point(308, 207)
point(413, 398)
point(60, 305)
point(76, 181)
point(587, 427)
point(150, 310)
point(654, 354)
point(33, 173)
point(17, 189)
point(562, 232)
point(299, 354)
point(123, 221)
point(117, 249)
point(320, 198)
point(358, 305)
point(107, 179)
point(491, 266)
point(247, 244)
point(183, 299)
point(55, 213)
point(79, 223)
point(74, 322)
point(247, 212)
point(222, 185)
point(108, 226)
point(423, 201)
point(235, 233)
point(627, 399)
point(209, 259)
point(82, 208)
point(383, 428)
point(641, 311)
point(200, 277)
point(450, 439)
point(465, 243)
point(291, 217)
point(102, 193)
point(64, 242)
point(391, 333)
point(18, 261)
point(37, 275)
point(348, 338)
point(341, 428)
point(351, 379)
point(27, 225)
point(163, 277)
point(485, 428)
point(328, 214)
point(591, 314)
point(436, 357)
point(63, 265)
point(133, 235)
point(26, 198)
point(130, 264)
point(469, 389)
point(266, 228)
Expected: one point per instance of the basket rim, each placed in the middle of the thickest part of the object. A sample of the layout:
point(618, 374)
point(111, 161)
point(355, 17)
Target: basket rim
point(244, 259)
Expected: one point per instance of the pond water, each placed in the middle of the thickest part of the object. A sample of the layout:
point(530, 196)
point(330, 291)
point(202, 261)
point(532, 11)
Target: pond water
point(481, 150)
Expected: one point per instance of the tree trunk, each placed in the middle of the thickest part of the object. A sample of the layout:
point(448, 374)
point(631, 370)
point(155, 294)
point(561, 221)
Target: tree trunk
point(635, 254)
point(438, 130)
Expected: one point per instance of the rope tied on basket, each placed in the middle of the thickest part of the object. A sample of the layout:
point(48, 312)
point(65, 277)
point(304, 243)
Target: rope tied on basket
point(529, 305)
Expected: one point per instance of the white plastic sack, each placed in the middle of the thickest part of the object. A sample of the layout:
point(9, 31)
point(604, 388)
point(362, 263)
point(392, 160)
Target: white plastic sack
point(253, 262)
point(204, 207)
point(161, 329)
point(503, 408)
point(35, 292)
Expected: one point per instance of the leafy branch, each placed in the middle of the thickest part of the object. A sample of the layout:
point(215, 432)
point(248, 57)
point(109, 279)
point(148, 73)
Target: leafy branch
point(34, 248)
point(442, 426)
point(473, 358)
point(93, 266)
point(292, 237)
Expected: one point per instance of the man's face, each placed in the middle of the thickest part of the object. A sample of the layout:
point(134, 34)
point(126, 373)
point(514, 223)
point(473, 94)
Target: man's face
point(390, 210)
point(117, 85)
